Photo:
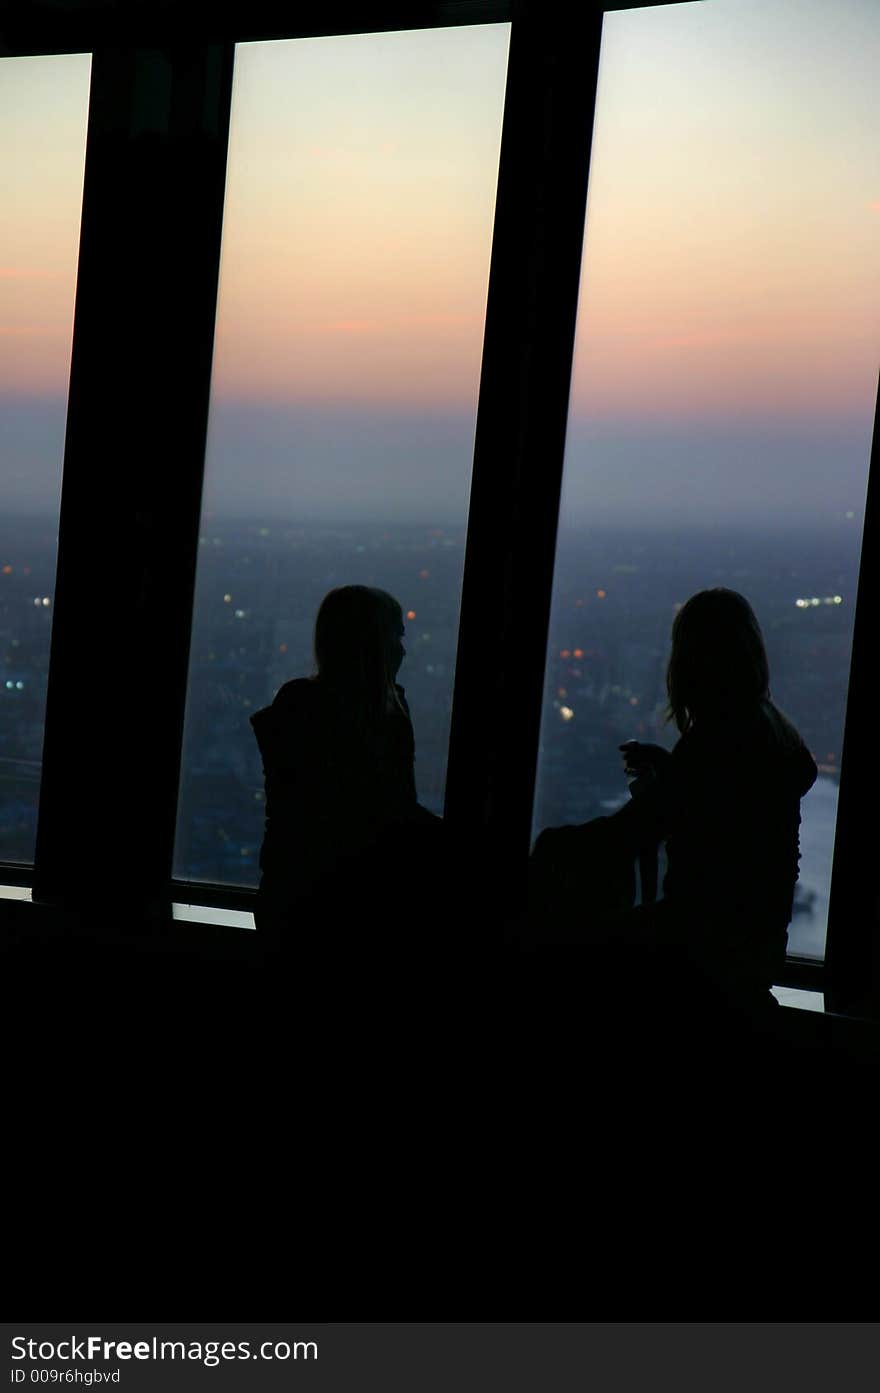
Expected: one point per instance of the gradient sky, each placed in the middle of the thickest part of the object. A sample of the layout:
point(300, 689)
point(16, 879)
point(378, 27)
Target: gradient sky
point(357, 235)
point(733, 239)
point(358, 222)
point(728, 339)
point(43, 111)
point(729, 326)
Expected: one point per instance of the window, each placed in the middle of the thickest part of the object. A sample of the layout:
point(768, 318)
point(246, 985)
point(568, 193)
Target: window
point(678, 396)
point(356, 242)
point(43, 112)
point(724, 384)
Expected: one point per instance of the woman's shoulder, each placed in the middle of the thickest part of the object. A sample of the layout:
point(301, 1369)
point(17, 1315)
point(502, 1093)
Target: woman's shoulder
point(756, 743)
point(737, 734)
point(777, 728)
point(790, 750)
point(297, 694)
point(284, 723)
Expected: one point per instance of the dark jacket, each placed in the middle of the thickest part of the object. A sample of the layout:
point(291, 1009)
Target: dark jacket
point(334, 787)
point(727, 804)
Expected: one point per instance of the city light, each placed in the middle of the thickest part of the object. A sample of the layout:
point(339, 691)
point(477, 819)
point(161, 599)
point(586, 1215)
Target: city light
point(410, 614)
point(578, 652)
point(566, 713)
point(227, 599)
point(814, 600)
point(46, 600)
point(601, 594)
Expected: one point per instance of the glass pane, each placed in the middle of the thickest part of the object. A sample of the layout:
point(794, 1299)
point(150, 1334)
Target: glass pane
point(724, 385)
point(43, 118)
point(356, 242)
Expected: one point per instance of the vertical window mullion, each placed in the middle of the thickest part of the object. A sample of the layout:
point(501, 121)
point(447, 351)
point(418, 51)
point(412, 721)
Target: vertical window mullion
point(131, 490)
point(520, 436)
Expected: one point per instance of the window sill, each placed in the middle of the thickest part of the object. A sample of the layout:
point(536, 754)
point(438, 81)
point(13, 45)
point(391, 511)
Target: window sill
point(232, 916)
point(212, 914)
point(798, 999)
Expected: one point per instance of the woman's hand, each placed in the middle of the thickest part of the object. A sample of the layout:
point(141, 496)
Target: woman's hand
point(642, 763)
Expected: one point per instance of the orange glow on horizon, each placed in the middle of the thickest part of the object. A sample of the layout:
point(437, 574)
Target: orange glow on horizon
point(731, 266)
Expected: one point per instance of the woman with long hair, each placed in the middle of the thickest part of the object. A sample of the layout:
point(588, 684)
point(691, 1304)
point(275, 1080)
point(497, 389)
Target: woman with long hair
point(726, 800)
point(338, 760)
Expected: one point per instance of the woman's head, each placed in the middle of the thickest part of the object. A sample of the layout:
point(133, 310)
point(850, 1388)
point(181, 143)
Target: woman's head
point(718, 660)
point(358, 643)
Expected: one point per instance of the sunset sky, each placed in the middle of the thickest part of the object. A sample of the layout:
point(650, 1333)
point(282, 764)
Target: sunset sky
point(43, 111)
point(729, 325)
point(733, 241)
point(358, 224)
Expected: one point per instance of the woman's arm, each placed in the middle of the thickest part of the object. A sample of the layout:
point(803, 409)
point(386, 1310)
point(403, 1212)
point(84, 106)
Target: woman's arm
point(644, 820)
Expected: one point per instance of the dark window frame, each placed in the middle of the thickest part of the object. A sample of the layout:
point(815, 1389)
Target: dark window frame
point(157, 139)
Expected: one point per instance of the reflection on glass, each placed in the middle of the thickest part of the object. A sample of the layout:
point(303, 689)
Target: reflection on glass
point(356, 242)
point(43, 118)
point(724, 383)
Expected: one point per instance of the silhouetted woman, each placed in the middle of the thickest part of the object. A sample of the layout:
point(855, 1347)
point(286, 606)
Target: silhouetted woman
point(726, 801)
point(338, 755)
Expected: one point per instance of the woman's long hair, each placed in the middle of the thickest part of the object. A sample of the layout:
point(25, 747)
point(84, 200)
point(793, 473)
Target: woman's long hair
point(357, 631)
point(718, 661)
